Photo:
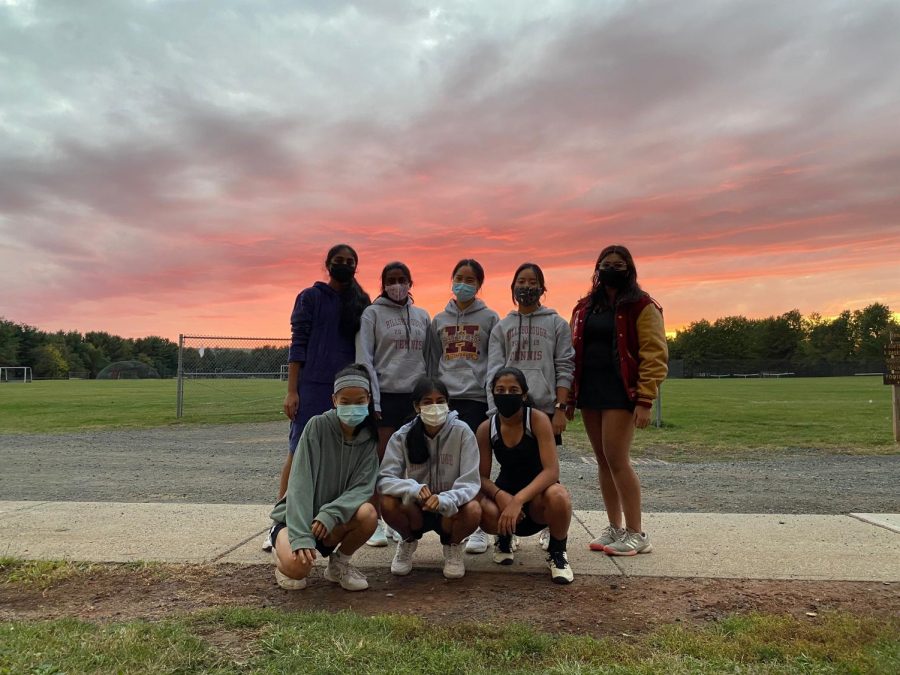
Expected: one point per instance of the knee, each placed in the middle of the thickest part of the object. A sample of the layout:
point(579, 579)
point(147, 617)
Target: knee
point(293, 568)
point(366, 515)
point(471, 511)
point(557, 497)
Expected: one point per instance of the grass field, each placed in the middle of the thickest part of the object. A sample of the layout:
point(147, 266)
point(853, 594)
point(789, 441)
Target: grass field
point(263, 640)
point(849, 414)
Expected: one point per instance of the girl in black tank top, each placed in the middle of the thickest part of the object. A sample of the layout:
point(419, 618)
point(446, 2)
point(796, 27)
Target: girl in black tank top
point(526, 497)
point(520, 464)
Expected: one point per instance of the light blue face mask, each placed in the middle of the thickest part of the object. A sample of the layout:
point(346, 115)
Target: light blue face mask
point(352, 415)
point(464, 292)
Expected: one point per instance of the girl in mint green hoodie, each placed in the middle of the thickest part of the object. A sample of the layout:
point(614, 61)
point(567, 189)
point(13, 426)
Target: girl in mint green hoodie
point(326, 507)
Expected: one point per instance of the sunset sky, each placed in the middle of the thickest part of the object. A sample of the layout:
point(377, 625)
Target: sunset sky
point(171, 167)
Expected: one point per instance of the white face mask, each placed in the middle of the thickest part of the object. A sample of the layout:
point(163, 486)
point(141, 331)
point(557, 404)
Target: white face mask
point(397, 292)
point(435, 414)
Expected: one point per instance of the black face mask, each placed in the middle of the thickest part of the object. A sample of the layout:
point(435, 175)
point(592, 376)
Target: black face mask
point(613, 278)
point(508, 404)
point(528, 295)
point(341, 273)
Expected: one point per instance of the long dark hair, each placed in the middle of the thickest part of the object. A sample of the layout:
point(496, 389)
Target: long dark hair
point(476, 267)
point(370, 422)
point(353, 298)
point(597, 295)
point(520, 378)
point(538, 272)
point(416, 445)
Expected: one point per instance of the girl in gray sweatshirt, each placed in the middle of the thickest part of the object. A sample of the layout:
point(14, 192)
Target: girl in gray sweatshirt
point(391, 345)
point(537, 341)
point(458, 349)
point(429, 480)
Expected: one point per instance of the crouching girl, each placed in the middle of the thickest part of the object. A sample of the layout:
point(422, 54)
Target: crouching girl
point(526, 496)
point(429, 480)
point(326, 507)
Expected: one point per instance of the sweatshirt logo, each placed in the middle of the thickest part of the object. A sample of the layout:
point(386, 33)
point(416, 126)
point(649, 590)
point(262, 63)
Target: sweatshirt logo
point(461, 342)
point(526, 345)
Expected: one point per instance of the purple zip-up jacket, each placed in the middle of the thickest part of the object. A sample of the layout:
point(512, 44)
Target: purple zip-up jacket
point(316, 340)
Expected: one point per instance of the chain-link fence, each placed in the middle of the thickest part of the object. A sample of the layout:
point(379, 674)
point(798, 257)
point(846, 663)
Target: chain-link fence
point(224, 377)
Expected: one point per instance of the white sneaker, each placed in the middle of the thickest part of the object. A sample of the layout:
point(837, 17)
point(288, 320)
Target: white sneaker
point(544, 539)
point(401, 565)
point(268, 544)
point(478, 542)
point(378, 538)
point(560, 570)
point(391, 533)
point(342, 572)
point(287, 583)
point(454, 567)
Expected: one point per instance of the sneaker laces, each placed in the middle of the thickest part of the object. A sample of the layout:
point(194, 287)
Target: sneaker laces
point(559, 559)
point(404, 551)
point(352, 572)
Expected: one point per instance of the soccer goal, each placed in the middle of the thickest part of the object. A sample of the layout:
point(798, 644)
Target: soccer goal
point(15, 374)
point(222, 376)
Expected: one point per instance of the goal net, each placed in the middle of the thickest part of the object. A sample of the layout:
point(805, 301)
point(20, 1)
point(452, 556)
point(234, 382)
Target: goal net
point(15, 374)
point(220, 376)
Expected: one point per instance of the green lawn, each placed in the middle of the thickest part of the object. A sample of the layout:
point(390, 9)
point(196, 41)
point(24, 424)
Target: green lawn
point(238, 640)
point(845, 414)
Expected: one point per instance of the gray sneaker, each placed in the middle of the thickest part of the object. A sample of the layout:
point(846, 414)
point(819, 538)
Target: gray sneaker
point(609, 534)
point(631, 543)
point(342, 572)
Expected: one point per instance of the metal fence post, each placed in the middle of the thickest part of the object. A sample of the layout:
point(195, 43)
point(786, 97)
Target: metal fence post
point(179, 406)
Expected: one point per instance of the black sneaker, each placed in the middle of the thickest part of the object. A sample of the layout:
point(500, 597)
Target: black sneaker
point(503, 550)
point(560, 571)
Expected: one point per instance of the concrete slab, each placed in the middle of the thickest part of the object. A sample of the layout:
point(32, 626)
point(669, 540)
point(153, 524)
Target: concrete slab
point(762, 546)
point(9, 508)
point(112, 532)
point(429, 555)
point(889, 521)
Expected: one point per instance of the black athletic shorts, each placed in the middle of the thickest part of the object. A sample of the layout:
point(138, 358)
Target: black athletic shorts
point(431, 522)
point(320, 547)
point(396, 410)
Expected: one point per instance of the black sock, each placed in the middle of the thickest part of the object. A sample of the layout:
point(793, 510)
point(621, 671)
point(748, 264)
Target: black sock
point(557, 544)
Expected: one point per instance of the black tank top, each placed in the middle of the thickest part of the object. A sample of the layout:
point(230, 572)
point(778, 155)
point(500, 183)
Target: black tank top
point(520, 464)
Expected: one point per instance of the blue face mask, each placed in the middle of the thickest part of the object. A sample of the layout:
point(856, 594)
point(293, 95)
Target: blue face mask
point(353, 415)
point(464, 292)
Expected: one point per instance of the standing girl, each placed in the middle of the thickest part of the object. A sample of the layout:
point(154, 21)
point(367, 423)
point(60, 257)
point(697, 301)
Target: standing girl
point(324, 324)
point(537, 341)
point(459, 355)
point(621, 359)
point(391, 344)
point(326, 508)
point(526, 496)
point(429, 479)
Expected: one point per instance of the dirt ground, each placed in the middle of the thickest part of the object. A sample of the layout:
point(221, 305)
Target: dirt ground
point(597, 606)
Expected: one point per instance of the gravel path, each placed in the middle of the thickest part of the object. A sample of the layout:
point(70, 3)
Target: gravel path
point(240, 464)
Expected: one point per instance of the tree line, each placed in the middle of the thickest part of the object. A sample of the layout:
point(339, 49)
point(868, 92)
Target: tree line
point(852, 342)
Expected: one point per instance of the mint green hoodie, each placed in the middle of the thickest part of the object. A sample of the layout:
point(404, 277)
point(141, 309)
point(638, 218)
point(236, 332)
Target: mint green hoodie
point(330, 479)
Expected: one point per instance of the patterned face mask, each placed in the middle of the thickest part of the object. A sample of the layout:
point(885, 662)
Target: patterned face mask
point(528, 295)
point(397, 292)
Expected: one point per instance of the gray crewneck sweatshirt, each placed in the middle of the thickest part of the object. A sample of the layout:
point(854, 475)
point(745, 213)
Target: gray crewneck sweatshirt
point(458, 348)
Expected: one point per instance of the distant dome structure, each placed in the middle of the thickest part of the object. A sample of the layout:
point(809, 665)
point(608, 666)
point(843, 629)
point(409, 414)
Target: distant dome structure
point(128, 370)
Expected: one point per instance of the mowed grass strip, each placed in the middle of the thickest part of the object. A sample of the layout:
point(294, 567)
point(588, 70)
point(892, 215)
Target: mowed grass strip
point(843, 414)
point(239, 640)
